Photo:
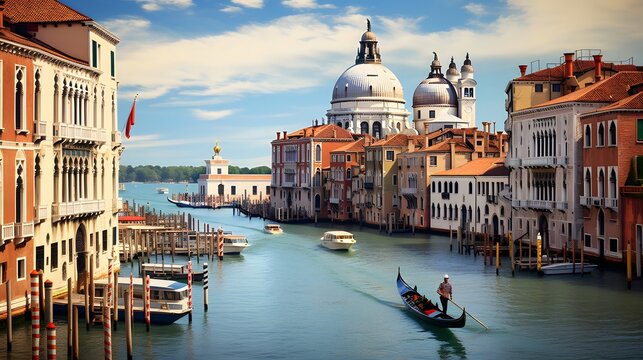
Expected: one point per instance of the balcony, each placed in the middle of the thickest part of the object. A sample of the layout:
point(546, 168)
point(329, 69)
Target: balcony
point(8, 233)
point(513, 163)
point(585, 201)
point(40, 130)
point(598, 201)
point(116, 138)
point(540, 204)
point(78, 208)
point(23, 230)
point(79, 134)
point(408, 191)
point(561, 205)
point(41, 213)
point(611, 203)
point(544, 161)
point(516, 203)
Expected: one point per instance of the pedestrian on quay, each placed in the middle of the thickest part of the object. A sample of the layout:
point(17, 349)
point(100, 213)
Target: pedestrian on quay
point(446, 293)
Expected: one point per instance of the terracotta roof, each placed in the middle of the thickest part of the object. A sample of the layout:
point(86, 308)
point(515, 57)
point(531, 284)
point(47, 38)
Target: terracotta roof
point(608, 90)
point(580, 67)
point(355, 146)
point(327, 131)
point(41, 11)
point(6, 34)
point(487, 166)
point(444, 146)
point(631, 102)
point(399, 140)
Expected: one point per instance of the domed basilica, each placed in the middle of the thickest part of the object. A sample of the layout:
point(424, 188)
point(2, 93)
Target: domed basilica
point(369, 99)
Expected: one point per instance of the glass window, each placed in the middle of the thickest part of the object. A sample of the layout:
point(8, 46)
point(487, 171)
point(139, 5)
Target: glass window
point(555, 87)
point(54, 256)
point(21, 265)
point(613, 245)
point(390, 155)
point(588, 136)
point(433, 161)
point(432, 114)
point(639, 130)
point(538, 87)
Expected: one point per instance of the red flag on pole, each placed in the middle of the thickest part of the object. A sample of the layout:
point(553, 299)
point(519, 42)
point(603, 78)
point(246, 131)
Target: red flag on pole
point(130, 118)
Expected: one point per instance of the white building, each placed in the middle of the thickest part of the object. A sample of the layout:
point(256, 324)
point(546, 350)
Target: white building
point(466, 197)
point(226, 187)
point(368, 98)
point(446, 102)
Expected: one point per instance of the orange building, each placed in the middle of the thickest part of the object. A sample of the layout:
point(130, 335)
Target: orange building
point(343, 162)
point(17, 169)
point(612, 146)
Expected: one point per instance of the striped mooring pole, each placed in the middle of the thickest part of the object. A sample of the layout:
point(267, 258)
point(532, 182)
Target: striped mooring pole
point(51, 341)
point(131, 296)
point(107, 329)
point(109, 282)
point(220, 243)
point(35, 315)
point(205, 286)
point(190, 290)
point(147, 302)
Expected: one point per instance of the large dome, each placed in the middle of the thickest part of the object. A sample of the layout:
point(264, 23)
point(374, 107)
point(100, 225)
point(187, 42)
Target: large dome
point(368, 81)
point(435, 91)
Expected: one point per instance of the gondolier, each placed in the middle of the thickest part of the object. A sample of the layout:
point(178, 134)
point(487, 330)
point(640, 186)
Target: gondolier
point(446, 293)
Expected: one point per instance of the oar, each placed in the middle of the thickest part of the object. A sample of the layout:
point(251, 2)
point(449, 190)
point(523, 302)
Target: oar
point(466, 312)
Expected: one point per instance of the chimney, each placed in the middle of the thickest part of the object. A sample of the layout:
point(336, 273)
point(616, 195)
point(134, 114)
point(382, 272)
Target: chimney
point(313, 132)
point(597, 67)
point(285, 135)
point(278, 135)
point(426, 134)
point(523, 69)
point(452, 150)
point(334, 133)
point(475, 139)
point(485, 126)
point(410, 146)
point(500, 144)
point(569, 66)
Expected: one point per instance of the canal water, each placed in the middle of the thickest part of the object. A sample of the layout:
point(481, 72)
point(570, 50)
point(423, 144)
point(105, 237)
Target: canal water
point(287, 297)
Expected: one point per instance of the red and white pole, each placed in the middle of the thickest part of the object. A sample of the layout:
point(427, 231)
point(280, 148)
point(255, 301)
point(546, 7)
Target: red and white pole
point(147, 302)
point(51, 341)
point(107, 330)
point(110, 278)
point(190, 290)
point(220, 243)
point(35, 315)
point(131, 296)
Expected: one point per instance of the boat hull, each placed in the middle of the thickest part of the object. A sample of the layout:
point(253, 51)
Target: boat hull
point(334, 245)
point(156, 317)
point(567, 269)
point(430, 313)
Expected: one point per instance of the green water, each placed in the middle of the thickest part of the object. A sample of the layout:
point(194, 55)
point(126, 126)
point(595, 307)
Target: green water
point(287, 297)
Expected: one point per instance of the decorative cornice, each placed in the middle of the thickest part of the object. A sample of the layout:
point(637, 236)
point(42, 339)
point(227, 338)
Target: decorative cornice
point(103, 32)
point(30, 52)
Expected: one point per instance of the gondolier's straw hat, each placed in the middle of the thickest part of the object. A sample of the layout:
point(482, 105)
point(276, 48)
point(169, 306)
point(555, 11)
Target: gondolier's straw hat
point(446, 276)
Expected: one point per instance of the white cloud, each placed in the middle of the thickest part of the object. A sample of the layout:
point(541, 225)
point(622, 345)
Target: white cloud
point(231, 9)
point(306, 4)
point(475, 9)
point(254, 4)
point(212, 115)
point(128, 26)
point(155, 5)
point(155, 140)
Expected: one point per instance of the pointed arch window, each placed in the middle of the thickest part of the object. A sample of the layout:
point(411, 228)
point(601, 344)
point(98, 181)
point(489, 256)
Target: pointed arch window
point(20, 190)
point(612, 133)
point(377, 129)
point(318, 153)
point(19, 95)
point(600, 140)
point(601, 183)
point(612, 186)
point(588, 183)
point(588, 136)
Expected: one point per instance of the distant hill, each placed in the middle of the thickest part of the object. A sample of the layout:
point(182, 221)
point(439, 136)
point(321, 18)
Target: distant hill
point(150, 173)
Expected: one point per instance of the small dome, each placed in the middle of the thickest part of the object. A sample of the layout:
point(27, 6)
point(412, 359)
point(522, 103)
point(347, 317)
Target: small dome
point(453, 70)
point(467, 67)
point(368, 80)
point(435, 91)
point(369, 36)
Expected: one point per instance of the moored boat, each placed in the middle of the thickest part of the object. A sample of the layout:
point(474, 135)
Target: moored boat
point(162, 190)
point(568, 268)
point(338, 240)
point(273, 229)
point(168, 300)
point(234, 244)
point(426, 310)
point(177, 272)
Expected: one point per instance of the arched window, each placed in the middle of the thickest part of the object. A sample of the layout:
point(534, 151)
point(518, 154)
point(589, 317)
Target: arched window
point(348, 174)
point(588, 183)
point(450, 212)
point(470, 187)
point(450, 186)
point(439, 186)
point(399, 126)
point(19, 193)
point(317, 202)
point(612, 133)
point(588, 136)
point(432, 210)
point(377, 129)
point(456, 187)
point(502, 211)
point(317, 179)
point(363, 127)
point(445, 210)
point(612, 191)
point(601, 184)
point(600, 141)
point(486, 209)
point(318, 153)
point(478, 214)
point(438, 211)
point(433, 186)
point(19, 111)
point(470, 214)
point(346, 125)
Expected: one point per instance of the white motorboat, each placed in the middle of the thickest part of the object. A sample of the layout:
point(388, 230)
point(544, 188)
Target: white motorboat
point(338, 240)
point(162, 190)
point(272, 229)
point(234, 244)
point(567, 268)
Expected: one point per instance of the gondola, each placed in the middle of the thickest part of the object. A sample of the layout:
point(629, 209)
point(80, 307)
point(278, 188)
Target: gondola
point(424, 309)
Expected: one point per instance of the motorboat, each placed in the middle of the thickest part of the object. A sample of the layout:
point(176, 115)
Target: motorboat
point(168, 300)
point(273, 229)
point(162, 190)
point(338, 240)
point(178, 272)
point(566, 268)
point(234, 244)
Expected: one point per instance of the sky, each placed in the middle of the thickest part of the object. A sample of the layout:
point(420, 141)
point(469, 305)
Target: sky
point(238, 71)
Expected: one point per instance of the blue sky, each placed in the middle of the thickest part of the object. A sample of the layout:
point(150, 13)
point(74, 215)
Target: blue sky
point(238, 71)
